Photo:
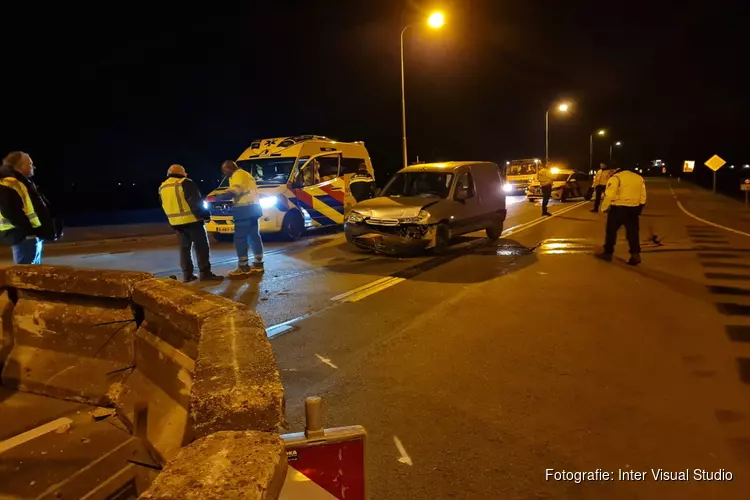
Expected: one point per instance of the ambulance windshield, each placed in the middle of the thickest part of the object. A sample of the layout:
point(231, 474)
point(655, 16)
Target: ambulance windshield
point(269, 170)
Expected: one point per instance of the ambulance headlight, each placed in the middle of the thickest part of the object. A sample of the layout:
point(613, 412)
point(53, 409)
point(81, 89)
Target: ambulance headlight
point(507, 187)
point(269, 201)
point(206, 205)
point(355, 217)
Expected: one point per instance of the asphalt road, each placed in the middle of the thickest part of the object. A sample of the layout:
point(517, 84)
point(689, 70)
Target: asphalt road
point(496, 362)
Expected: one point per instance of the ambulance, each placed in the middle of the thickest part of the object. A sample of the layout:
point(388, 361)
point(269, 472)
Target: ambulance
point(303, 183)
point(519, 174)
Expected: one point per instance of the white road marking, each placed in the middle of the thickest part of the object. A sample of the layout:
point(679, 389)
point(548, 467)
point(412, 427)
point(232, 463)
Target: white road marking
point(326, 361)
point(345, 297)
point(523, 227)
point(33, 433)
point(679, 205)
point(404, 458)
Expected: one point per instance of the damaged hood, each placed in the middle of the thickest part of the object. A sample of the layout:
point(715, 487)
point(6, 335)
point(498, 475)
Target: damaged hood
point(394, 208)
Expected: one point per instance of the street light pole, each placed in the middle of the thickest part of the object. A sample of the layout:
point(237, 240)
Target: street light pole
point(618, 144)
point(591, 151)
point(403, 100)
point(546, 138)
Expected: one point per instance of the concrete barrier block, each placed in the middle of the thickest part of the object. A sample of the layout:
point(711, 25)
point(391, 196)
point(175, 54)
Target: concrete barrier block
point(69, 280)
point(224, 466)
point(6, 326)
point(70, 347)
point(183, 306)
point(236, 382)
point(170, 333)
point(154, 399)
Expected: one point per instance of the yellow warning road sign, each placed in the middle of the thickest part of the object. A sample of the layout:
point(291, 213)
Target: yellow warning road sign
point(715, 163)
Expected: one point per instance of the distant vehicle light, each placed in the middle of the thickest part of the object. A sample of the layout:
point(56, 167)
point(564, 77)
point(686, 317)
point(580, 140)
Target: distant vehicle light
point(554, 170)
point(507, 187)
point(268, 201)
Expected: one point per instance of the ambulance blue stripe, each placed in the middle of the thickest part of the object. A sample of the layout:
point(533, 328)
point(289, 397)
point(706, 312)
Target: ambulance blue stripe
point(315, 215)
point(332, 202)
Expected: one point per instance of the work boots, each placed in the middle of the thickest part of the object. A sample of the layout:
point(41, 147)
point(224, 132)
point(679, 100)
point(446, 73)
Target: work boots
point(187, 278)
point(209, 276)
point(635, 259)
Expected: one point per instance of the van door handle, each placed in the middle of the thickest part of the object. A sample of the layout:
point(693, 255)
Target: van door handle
point(335, 189)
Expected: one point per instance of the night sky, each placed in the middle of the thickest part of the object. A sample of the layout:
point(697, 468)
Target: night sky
point(119, 92)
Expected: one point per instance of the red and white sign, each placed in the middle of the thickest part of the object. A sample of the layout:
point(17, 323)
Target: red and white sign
point(331, 466)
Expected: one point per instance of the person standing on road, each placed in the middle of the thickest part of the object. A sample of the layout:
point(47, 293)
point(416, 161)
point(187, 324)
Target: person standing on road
point(624, 199)
point(362, 184)
point(600, 184)
point(246, 212)
point(544, 176)
point(25, 220)
point(182, 203)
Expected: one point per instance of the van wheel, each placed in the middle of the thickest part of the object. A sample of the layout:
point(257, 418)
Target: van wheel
point(495, 231)
point(293, 226)
point(442, 239)
point(530, 200)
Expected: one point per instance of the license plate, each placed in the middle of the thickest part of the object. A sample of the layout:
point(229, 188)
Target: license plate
point(229, 229)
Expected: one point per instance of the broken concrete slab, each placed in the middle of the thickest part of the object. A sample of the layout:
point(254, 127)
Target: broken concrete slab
point(226, 465)
point(69, 346)
point(69, 280)
point(183, 306)
point(236, 384)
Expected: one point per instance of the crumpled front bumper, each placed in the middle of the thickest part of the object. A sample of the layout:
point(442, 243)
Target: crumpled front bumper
point(401, 239)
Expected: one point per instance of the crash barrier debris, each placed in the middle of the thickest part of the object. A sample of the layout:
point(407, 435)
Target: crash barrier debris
point(117, 384)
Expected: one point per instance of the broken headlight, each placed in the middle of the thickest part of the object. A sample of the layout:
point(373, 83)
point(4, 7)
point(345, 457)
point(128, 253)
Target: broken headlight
point(421, 218)
point(355, 217)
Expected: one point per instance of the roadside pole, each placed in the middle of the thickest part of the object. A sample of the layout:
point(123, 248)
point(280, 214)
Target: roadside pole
point(745, 186)
point(715, 163)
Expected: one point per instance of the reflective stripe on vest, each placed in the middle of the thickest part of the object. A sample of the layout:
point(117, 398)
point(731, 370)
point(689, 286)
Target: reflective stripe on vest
point(361, 178)
point(174, 204)
point(28, 206)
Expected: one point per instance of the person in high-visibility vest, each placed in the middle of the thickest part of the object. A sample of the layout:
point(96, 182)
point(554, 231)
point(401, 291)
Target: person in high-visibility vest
point(600, 184)
point(545, 178)
point(624, 200)
point(246, 212)
point(183, 205)
point(362, 184)
point(25, 220)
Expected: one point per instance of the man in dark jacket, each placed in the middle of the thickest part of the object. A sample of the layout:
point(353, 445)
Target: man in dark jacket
point(183, 205)
point(362, 184)
point(25, 220)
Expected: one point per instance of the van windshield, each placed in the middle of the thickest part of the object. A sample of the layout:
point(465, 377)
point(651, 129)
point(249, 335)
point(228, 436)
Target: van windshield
point(269, 170)
point(427, 184)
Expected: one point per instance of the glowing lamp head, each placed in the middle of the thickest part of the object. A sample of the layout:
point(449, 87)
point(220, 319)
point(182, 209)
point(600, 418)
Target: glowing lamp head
point(618, 143)
point(436, 20)
point(601, 132)
point(564, 107)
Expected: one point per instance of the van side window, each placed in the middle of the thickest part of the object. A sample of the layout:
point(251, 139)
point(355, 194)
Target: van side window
point(328, 167)
point(465, 181)
point(350, 165)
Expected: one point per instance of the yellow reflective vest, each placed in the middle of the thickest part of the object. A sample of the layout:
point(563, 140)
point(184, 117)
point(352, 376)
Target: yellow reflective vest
point(174, 204)
point(28, 206)
point(243, 186)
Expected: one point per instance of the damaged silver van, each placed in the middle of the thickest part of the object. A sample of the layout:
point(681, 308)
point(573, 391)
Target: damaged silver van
point(424, 206)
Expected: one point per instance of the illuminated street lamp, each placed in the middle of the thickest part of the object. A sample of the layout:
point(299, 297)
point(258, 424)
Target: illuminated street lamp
point(435, 21)
point(618, 144)
point(600, 133)
point(563, 107)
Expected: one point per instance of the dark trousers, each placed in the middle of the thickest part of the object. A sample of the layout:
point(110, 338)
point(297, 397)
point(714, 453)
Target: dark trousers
point(193, 236)
point(546, 193)
point(622, 216)
point(598, 200)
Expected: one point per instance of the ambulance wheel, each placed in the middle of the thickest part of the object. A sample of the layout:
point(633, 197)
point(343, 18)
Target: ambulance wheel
point(495, 231)
point(293, 226)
